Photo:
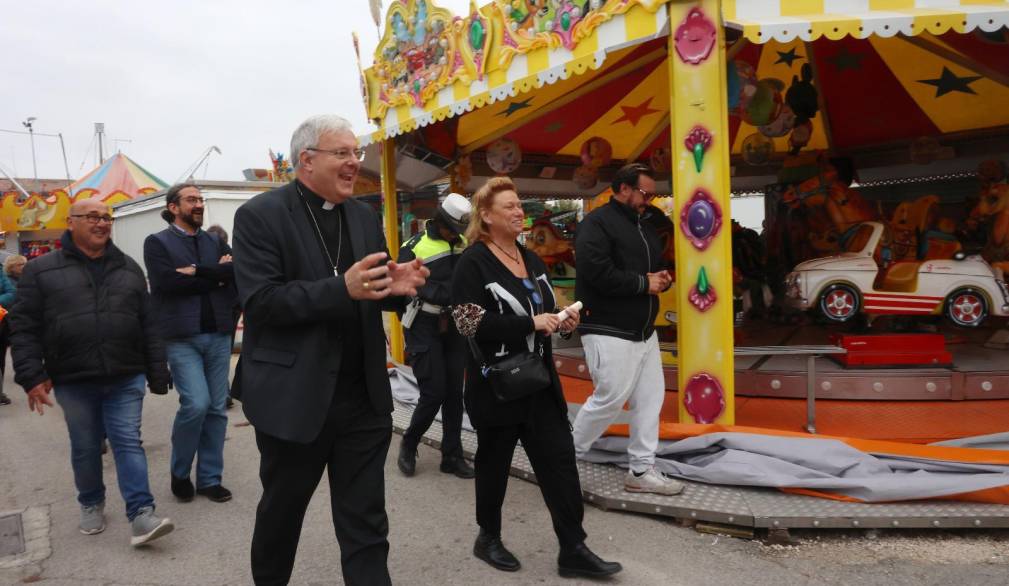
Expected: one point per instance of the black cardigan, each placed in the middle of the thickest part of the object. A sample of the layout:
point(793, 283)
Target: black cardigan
point(479, 279)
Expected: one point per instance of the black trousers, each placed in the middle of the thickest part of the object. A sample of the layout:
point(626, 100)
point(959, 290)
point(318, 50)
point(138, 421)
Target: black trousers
point(546, 438)
point(352, 447)
point(438, 361)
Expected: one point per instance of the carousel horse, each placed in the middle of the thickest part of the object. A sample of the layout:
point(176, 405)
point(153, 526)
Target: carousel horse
point(546, 241)
point(917, 233)
point(994, 206)
point(826, 197)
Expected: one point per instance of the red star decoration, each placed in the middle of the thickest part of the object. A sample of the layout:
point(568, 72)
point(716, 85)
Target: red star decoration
point(634, 114)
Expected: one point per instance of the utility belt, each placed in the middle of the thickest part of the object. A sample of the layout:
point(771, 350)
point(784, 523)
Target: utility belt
point(418, 305)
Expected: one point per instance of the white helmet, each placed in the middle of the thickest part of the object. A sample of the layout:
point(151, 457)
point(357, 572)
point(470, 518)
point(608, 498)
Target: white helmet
point(455, 210)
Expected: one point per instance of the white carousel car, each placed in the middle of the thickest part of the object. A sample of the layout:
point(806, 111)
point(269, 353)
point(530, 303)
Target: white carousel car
point(964, 288)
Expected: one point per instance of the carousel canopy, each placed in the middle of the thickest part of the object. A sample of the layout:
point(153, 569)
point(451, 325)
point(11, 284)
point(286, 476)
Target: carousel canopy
point(118, 176)
point(431, 65)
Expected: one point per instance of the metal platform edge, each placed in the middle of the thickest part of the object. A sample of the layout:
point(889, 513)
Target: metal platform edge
point(751, 507)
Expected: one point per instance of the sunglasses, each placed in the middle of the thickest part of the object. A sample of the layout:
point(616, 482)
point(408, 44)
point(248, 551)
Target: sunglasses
point(531, 288)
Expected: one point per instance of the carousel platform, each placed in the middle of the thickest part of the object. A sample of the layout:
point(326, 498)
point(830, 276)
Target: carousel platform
point(911, 404)
point(743, 508)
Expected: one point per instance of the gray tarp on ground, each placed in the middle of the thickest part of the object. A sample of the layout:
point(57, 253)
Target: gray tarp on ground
point(746, 459)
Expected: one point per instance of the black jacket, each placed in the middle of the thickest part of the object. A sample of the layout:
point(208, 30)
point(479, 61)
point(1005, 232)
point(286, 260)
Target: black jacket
point(614, 250)
point(68, 326)
point(292, 344)
point(501, 333)
point(441, 263)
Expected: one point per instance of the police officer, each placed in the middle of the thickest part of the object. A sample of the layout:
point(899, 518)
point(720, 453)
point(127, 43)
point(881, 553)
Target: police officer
point(437, 352)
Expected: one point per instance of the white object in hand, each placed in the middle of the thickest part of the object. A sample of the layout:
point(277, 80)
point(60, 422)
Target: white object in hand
point(572, 309)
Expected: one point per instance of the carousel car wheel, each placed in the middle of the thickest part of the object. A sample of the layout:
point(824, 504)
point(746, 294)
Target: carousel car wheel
point(967, 307)
point(839, 302)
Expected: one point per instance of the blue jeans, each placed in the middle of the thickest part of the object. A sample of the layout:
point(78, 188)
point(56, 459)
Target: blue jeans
point(199, 366)
point(109, 407)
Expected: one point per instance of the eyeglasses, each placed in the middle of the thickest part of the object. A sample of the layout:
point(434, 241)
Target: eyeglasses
point(94, 218)
point(531, 288)
point(647, 194)
point(193, 199)
point(341, 154)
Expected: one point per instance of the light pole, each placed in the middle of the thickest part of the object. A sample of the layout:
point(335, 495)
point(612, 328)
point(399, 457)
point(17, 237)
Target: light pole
point(31, 133)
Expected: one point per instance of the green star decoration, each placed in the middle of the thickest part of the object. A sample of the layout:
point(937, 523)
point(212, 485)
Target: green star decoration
point(515, 106)
point(787, 57)
point(845, 60)
point(948, 82)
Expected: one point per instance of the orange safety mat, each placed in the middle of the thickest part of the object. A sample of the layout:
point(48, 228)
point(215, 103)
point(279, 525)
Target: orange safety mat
point(918, 422)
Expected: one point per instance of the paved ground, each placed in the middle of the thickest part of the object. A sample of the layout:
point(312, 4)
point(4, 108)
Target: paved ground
point(432, 529)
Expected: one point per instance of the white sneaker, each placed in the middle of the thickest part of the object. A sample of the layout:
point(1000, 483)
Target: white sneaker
point(652, 481)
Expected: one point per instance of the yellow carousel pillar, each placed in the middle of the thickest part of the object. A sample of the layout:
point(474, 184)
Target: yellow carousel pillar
point(700, 147)
point(391, 216)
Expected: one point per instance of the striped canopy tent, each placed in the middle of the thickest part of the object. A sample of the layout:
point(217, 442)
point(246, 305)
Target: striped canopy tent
point(886, 73)
point(118, 179)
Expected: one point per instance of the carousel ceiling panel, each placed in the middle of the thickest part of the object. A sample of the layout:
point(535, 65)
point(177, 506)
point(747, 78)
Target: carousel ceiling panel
point(632, 119)
point(984, 49)
point(866, 103)
point(954, 97)
point(552, 132)
point(498, 118)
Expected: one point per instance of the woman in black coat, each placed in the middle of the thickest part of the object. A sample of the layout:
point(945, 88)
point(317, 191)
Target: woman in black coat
point(502, 297)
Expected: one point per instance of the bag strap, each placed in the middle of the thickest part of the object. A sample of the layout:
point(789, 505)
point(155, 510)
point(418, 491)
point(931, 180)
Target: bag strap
point(476, 352)
point(538, 346)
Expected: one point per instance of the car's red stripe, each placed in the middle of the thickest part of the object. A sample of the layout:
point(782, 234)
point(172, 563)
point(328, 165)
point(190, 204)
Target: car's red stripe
point(885, 297)
point(887, 309)
point(895, 303)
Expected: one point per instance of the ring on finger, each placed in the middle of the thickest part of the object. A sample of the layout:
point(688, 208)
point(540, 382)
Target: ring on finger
point(366, 284)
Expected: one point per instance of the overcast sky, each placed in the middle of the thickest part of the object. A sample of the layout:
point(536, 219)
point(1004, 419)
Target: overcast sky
point(177, 77)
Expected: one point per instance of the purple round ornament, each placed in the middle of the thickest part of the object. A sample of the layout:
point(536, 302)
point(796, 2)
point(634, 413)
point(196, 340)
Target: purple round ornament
point(701, 217)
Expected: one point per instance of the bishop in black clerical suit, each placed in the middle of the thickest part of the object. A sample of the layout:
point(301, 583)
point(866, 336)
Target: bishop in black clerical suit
point(313, 276)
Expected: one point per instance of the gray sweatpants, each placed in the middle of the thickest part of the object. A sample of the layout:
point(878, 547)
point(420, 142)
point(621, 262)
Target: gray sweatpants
point(623, 372)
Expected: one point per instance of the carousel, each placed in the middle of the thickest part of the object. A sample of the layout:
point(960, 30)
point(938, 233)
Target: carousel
point(870, 308)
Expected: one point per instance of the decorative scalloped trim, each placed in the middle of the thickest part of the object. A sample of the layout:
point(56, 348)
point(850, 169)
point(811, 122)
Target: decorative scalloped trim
point(889, 26)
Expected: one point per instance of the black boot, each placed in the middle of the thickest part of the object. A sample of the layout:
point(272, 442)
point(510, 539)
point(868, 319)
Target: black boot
point(579, 561)
point(407, 460)
point(183, 489)
point(457, 465)
point(490, 549)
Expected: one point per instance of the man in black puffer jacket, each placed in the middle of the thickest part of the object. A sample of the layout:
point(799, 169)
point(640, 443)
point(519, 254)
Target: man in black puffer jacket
point(621, 271)
point(81, 325)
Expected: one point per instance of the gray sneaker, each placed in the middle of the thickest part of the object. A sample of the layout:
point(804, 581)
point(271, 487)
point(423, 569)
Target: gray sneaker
point(147, 527)
point(92, 519)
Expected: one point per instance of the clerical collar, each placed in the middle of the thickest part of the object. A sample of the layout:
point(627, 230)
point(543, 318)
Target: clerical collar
point(313, 198)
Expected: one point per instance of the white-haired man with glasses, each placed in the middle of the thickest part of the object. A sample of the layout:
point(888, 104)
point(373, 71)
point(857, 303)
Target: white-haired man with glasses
point(82, 328)
point(313, 276)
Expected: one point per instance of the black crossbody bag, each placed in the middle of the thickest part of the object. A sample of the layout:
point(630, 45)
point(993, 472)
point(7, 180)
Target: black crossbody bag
point(517, 376)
